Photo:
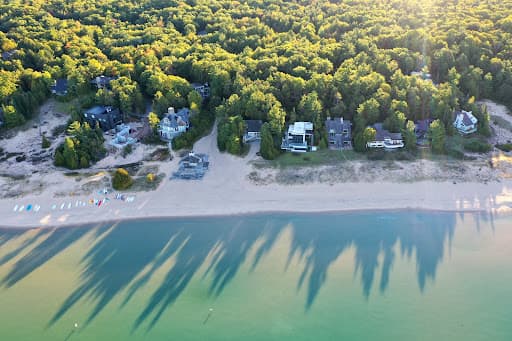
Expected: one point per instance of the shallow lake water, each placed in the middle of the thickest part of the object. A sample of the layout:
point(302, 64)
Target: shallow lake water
point(344, 276)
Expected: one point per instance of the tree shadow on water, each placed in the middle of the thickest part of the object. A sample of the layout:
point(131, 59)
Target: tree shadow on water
point(56, 241)
point(125, 257)
point(26, 244)
point(320, 241)
point(227, 243)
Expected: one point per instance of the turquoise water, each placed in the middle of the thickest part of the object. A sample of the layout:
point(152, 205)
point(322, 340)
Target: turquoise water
point(350, 276)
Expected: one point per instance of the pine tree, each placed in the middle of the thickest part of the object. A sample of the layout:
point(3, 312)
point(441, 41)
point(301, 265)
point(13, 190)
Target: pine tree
point(267, 148)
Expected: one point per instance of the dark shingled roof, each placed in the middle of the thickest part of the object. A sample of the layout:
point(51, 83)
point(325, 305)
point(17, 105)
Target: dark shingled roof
point(465, 118)
point(9, 54)
point(382, 133)
point(421, 127)
point(61, 85)
point(254, 125)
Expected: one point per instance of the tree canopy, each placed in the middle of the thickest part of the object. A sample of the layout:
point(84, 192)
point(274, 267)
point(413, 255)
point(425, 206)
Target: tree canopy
point(278, 61)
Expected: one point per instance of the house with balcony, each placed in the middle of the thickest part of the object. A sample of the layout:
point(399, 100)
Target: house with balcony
point(298, 138)
point(339, 133)
point(107, 117)
point(465, 122)
point(174, 123)
point(385, 139)
point(252, 130)
point(421, 131)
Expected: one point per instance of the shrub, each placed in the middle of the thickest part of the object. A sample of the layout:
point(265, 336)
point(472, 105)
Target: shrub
point(121, 179)
point(150, 177)
point(45, 144)
point(200, 125)
point(455, 153)
point(128, 149)
point(507, 147)
point(477, 146)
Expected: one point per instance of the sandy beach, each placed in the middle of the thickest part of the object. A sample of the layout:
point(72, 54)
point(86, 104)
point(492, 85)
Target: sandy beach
point(233, 185)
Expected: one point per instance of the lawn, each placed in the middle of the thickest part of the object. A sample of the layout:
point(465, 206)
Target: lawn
point(321, 157)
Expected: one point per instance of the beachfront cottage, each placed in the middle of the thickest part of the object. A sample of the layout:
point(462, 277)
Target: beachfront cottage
point(420, 130)
point(202, 89)
point(465, 122)
point(106, 116)
point(60, 87)
point(252, 130)
point(192, 166)
point(339, 133)
point(385, 139)
point(102, 82)
point(174, 123)
point(298, 138)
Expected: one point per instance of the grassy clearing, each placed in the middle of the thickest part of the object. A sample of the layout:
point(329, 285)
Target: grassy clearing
point(141, 183)
point(321, 157)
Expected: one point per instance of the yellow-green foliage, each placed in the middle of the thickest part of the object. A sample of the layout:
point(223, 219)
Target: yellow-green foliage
point(121, 179)
point(150, 177)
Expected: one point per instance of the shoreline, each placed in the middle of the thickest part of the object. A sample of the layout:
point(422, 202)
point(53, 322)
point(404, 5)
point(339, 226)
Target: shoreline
point(200, 201)
point(249, 214)
point(234, 186)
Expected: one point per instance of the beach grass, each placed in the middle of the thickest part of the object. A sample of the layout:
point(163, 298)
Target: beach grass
point(321, 157)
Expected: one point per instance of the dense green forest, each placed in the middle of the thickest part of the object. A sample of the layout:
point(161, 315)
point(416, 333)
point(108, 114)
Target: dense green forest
point(275, 60)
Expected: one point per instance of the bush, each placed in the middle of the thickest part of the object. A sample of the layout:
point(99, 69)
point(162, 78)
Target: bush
point(507, 147)
point(58, 130)
point(128, 149)
point(477, 146)
point(121, 179)
point(200, 125)
point(150, 177)
point(45, 144)
point(455, 153)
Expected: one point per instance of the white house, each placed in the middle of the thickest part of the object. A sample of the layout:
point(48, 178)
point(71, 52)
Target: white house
point(385, 139)
point(298, 138)
point(174, 124)
point(465, 122)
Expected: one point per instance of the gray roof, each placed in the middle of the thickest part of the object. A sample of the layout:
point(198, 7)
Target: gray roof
point(103, 80)
point(465, 118)
point(337, 125)
point(96, 110)
point(197, 85)
point(254, 125)
point(9, 54)
point(382, 133)
point(61, 85)
point(182, 115)
point(99, 110)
